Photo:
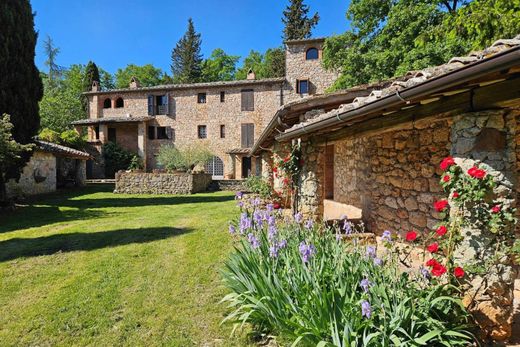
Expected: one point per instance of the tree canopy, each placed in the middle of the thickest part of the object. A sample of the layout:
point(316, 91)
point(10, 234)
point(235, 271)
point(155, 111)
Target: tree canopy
point(298, 24)
point(148, 75)
point(268, 65)
point(219, 66)
point(186, 57)
point(390, 37)
point(20, 82)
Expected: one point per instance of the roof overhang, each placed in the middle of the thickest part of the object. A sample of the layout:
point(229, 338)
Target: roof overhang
point(61, 151)
point(480, 73)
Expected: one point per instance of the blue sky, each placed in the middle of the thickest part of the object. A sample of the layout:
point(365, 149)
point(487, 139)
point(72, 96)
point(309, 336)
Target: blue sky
point(114, 33)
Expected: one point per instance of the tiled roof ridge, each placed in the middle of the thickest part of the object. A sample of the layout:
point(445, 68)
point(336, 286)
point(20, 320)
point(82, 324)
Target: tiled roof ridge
point(60, 149)
point(412, 78)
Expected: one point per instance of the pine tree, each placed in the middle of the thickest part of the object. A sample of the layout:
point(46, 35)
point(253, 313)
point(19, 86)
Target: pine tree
point(91, 75)
point(20, 82)
point(55, 71)
point(297, 23)
point(186, 57)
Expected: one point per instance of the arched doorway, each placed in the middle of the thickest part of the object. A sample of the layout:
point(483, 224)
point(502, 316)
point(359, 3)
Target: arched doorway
point(215, 167)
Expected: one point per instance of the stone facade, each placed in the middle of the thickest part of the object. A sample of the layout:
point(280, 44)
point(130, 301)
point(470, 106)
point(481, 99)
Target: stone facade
point(185, 114)
point(300, 68)
point(161, 183)
point(38, 176)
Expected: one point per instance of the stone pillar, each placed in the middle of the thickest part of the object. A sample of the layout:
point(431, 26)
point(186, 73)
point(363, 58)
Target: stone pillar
point(103, 133)
point(81, 172)
point(310, 195)
point(487, 138)
point(141, 143)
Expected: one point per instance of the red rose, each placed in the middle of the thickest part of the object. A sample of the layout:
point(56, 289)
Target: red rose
point(446, 163)
point(441, 231)
point(286, 159)
point(455, 195)
point(477, 173)
point(411, 236)
point(495, 209)
point(458, 272)
point(438, 270)
point(285, 180)
point(276, 205)
point(440, 205)
point(446, 178)
point(432, 262)
point(275, 169)
point(433, 248)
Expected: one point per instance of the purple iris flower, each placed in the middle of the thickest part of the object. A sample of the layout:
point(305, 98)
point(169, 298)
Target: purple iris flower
point(232, 229)
point(272, 232)
point(309, 224)
point(387, 236)
point(245, 223)
point(256, 202)
point(347, 227)
point(366, 309)
point(298, 217)
point(425, 273)
point(282, 244)
point(239, 195)
point(253, 241)
point(371, 252)
point(365, 284)
point(240, 204)
point(378, 261)
point(273, 251)
point(338, 237)
point(271, 220)
point(306, 251)
point(270, 208)
point(258, 218)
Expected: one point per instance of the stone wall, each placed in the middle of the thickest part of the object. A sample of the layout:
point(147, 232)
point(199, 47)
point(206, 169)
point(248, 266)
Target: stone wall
point(161, 183)
point(393, 176)
point(38, 176)
point(311, 192)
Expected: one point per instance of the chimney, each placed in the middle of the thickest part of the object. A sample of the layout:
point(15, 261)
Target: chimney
point(134, 83)
point(95, 86)
point(251, 75)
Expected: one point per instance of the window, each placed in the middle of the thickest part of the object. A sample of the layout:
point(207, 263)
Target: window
point(96, 132)
point(120, 103)
point(312, 54)
point(151, 133)
point(248, 100)
point(201, 98)
point(107, 103)
point(222, 96)
point(302, 86)
point(162, 133)
point(248, 135)
point(112, 135)
point(222, 131)
point(215, 167)
point(158, 104)
point(202, 132)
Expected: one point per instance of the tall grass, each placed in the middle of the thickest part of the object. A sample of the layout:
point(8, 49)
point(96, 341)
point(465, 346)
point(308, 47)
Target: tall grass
point(320, 290)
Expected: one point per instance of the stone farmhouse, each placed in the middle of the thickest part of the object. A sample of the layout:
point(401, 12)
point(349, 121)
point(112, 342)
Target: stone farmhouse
point(226, 116)
point(376, 156)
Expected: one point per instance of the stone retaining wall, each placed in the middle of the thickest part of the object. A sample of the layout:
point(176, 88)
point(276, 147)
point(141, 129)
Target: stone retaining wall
point(161, 183)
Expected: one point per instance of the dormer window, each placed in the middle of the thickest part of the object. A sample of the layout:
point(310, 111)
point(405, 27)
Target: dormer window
point(107, 103)
point(312, 54)
point(120, 103)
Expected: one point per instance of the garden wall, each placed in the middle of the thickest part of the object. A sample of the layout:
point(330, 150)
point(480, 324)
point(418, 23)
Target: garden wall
point(38, 176)
point(161, 183)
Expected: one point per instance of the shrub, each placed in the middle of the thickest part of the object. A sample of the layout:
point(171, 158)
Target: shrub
point(49, 135)
point(136, 163)
point(72, 139)
point(116, 158)
point(184, 158)
point(258, 185)
point(301, 281)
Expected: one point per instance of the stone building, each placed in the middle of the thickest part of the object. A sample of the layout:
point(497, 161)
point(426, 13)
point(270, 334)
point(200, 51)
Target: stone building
point(225, 116)
point(51, 166)
point(379, 153)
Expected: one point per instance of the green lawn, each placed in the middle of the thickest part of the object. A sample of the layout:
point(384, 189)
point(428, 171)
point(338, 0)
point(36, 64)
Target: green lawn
point(88, 267)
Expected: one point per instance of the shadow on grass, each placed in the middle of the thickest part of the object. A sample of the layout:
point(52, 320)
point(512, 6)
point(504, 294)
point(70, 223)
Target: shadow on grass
point(19, 247)
point(45, 210)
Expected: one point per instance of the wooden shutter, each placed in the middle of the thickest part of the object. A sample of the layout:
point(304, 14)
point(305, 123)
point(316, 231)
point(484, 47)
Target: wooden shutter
point(243, 136)
point(151, 107)
point(167, 102)
point(250, 135)
point(248, 100)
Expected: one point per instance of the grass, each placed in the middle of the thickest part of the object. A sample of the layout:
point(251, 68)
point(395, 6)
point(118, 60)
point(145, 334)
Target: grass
point(88, 267)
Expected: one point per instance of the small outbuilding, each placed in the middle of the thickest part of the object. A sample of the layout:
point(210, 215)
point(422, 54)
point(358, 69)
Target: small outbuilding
point(51, 166)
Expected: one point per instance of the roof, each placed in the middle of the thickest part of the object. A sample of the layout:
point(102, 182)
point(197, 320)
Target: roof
point(61, 151)
point(289, 114)
point(309, 40)
point(193, 86)
point(417, 86)
point(120, 119)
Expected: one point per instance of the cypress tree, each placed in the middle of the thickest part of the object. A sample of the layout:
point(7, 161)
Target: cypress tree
point(186, 57)
point(298, 25)
point(91, 75)
point(20, 83)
